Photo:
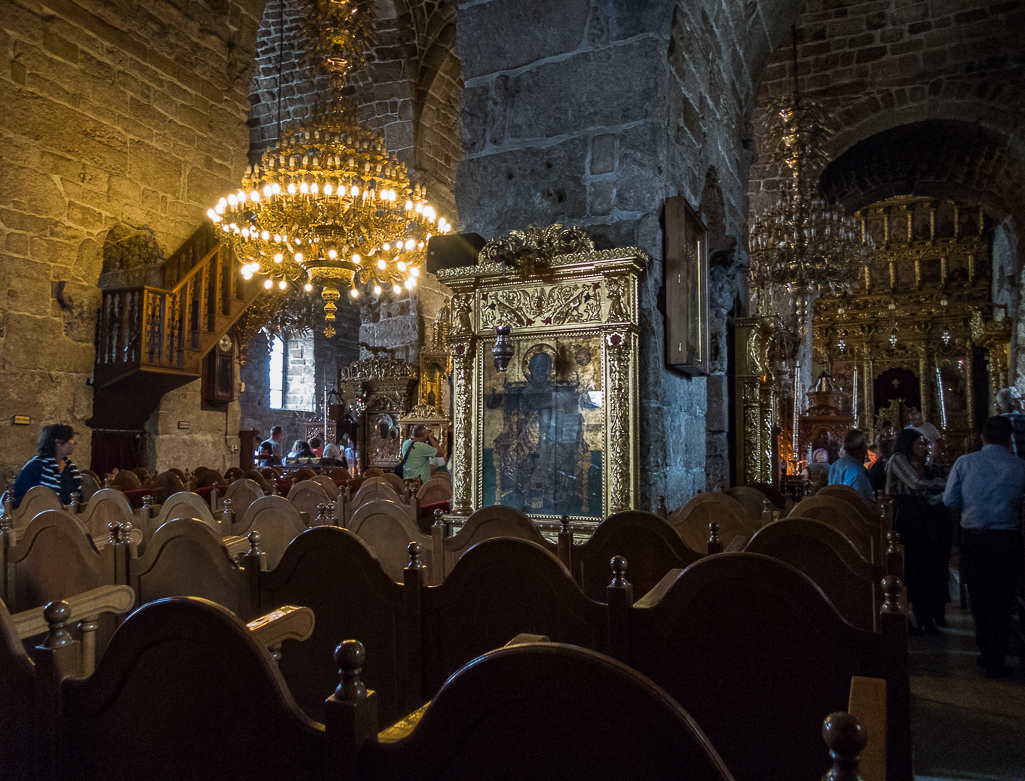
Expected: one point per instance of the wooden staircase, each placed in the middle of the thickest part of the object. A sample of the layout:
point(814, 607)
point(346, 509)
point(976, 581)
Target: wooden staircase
point(152, 340)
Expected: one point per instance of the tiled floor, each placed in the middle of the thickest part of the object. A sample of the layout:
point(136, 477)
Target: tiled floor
point(965, 726)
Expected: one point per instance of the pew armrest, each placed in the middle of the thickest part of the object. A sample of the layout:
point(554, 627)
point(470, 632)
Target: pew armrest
point(106, 599)
point(285, 623)
point(236, 545)
point(867, 703)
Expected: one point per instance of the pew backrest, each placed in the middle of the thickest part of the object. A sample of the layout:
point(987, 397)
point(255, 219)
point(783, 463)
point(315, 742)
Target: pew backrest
point(650, 545)
point(89, 486)
point(849, 581)
point(242, 493)
point(693, 635)
point(106, 506)
point(330, 486)
point(437, 489)
point(278, 523)
point(333, 572)
point(37, 499)
point(606, 722)
point(692, 520)
point(752, 500)
point(53, 559)
point(850, 497)
point(184, 504)
point(386, 527)
point(186, 558)
point(305, 495)
point(838, 514)
point(206, 663)
point(487, 523)
point(500, 588)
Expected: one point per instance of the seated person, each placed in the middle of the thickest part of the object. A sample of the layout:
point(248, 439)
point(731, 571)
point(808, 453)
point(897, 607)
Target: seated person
point(850, 469)
point(52, 466)
point(316, 448)
point(817, 472)
point(331, 456)
point(299, 449)
point(265, 455)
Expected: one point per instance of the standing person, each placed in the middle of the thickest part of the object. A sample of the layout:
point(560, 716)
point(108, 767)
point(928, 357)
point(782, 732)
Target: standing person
point(418, 451)
point(932, 434)
point(925, 573)
point(348, 455)
point(1009, 403)
point(52, 465)
point(273, 443)
point(988, 486)
point(850, 468)
point(877, 472)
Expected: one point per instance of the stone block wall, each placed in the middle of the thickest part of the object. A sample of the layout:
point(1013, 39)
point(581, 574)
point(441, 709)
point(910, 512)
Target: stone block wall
point(592, 112)
point(113, 114)
point(398, 324)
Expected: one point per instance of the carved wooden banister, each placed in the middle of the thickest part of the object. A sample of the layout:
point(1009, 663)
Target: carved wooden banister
point(172, 328)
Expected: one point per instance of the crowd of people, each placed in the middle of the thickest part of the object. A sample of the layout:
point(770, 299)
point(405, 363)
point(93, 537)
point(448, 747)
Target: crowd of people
point(978, 502)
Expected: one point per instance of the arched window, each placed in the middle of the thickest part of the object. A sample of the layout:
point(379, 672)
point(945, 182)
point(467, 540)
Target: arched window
point(278, 366)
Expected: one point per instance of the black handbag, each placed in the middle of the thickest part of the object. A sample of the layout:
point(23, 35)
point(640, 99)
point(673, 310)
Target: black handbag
point(402, 463)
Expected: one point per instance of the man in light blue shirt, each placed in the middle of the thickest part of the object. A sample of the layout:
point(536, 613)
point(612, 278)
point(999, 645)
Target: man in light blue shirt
point(988, 486)
point(850, 469)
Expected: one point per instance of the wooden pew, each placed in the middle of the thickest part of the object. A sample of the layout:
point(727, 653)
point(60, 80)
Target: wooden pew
point(527, 710)
point(692, 520)
point(107, 506)
point(500, 588)
point(743, 639)
point(484, 524)
point(183, 504)
point(851, 583)
point(276, 520)
point(37, 499)
point(867, 538)
point(241, 494)
point(186, 558)
point(18, 683)
point(385, 526)
point(334, 573)
point(329, 486)
point(437, 489)
point(370, 490)
point(305, 496)
point(648, 542)
point(756, 504)
point(55, 558)
point(221, 705)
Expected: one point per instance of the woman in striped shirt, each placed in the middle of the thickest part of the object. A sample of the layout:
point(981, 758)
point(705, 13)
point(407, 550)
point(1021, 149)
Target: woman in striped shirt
point(53, 466)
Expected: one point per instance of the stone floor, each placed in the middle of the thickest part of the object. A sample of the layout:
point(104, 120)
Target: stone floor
point(965, 726)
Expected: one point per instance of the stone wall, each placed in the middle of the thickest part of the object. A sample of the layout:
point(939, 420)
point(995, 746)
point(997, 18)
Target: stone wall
point(592, 113)
point(398, 324)
point(113, 114)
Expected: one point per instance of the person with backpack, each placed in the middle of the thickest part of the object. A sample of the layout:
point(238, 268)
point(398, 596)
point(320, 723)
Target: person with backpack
point(417, 452)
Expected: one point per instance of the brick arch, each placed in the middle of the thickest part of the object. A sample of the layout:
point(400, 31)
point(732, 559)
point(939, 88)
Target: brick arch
point(437, 143)
point(943, 158)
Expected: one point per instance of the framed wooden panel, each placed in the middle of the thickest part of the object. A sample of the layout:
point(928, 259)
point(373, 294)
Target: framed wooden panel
point(686, 283)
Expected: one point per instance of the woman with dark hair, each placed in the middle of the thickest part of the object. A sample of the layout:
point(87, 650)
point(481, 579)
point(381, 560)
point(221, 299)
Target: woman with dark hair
point(914, 490)
point(52, 466)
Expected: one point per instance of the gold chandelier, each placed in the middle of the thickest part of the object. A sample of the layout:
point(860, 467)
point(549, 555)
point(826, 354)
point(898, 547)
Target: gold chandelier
point(800, 244)
point(329, 205)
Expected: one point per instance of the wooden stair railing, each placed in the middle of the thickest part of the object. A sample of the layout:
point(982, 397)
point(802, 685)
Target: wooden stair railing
point(170, 330)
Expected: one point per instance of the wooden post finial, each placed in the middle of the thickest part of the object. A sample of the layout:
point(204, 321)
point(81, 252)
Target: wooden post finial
point(891, 594)
point(349, 657)
point(439, 518)
point(57, 615)
point(618, 564)
point(892, 541)
point(714, 543)
point(113, 530)
point(226, 509)
point(846, 739)
point(663, 510)
point(321, 514)
point(254, 543)
point(76, 500)
point(564, 521)
point(414, 549)
point(147, 501)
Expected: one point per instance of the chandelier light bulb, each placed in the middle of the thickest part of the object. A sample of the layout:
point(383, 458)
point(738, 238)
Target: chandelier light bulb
point(354, 293)
point(308, 287)
point(278, 258)
point(415, 271)
point(381, 264)
point(377, 290)
point(282, 285)
point(268, 284)
point(332, 254)
point(410, 283)
point(356, 259)
point(400, 266)
point(298, 257)
point(292, 189)
point(396, 289)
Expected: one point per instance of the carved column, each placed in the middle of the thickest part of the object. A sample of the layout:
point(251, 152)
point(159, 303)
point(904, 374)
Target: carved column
point(618, 347)
point(462, 460)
